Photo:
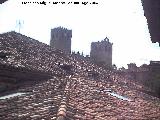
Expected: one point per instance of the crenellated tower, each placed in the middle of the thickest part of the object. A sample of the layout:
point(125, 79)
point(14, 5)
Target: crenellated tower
point(101, 52)
point(61, 39)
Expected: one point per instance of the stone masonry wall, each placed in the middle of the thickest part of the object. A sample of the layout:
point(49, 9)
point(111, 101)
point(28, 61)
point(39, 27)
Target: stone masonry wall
point(61, 39)
point(101, 53)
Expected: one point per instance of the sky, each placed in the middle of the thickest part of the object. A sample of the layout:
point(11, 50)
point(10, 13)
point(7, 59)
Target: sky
point(122, 21)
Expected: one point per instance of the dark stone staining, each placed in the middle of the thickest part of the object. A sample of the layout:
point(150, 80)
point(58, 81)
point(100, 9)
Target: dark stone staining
point(4, 55)
point(93, 74)
point(67, 68)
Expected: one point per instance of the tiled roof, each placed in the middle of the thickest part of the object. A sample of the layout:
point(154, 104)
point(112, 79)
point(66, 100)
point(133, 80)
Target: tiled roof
point(71, 96)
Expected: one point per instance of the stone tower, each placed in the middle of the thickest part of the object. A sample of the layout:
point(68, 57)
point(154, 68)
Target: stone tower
point(61, 39)
point(101, 52)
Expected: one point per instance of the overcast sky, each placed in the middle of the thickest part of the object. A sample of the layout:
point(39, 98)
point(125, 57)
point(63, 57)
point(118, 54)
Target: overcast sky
point(122, 21)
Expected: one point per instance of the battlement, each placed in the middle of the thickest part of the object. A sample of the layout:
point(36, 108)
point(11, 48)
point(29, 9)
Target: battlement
point(61, 31)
